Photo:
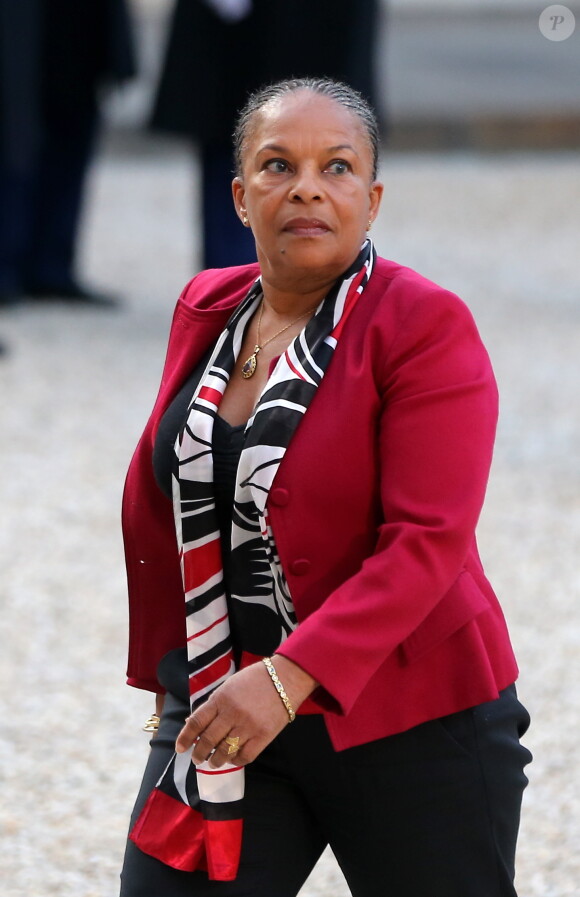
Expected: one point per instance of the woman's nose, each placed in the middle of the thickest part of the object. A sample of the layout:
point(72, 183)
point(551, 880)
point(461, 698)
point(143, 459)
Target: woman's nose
point(306, 186)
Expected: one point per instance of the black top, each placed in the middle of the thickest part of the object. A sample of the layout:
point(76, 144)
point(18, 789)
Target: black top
point(253, 627)
point(227, 445)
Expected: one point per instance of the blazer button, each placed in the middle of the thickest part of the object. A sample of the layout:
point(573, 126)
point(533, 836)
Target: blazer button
point(279, 497)
point(300, 567)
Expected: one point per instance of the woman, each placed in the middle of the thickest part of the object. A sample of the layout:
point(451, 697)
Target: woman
point(325, 425)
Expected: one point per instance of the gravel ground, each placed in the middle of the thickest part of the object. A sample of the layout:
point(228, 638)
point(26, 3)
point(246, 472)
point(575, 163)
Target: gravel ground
point(502, 231)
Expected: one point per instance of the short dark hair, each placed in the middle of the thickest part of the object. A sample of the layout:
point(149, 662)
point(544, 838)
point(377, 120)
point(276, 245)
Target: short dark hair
point(341, 93)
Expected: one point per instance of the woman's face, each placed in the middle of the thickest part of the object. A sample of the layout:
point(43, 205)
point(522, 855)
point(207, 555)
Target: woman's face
point(307, 187)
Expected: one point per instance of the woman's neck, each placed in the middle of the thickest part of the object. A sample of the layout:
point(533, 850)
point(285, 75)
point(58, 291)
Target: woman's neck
point(286, 303)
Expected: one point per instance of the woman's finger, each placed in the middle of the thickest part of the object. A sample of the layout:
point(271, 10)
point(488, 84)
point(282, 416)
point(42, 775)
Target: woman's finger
point(210, 739)
point(194, 726)
point(227, 750)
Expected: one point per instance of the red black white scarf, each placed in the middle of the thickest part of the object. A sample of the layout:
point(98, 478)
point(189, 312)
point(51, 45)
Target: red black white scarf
point(193, 818)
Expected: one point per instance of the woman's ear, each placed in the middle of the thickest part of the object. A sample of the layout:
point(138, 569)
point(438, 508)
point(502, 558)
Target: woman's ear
point(238, 193)
point(375, 197)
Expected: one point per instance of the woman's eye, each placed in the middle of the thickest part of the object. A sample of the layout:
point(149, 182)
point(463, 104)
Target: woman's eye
point(278, 166)
point(338, 166)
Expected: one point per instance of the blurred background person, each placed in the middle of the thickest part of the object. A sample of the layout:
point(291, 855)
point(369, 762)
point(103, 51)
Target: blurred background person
point(55, 56)
point(218, 51)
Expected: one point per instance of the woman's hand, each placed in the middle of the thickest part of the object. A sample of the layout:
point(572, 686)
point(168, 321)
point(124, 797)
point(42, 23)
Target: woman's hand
point(246, 706)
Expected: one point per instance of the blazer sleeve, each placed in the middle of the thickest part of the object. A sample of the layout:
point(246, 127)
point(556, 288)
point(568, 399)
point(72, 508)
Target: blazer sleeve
point(436, 430)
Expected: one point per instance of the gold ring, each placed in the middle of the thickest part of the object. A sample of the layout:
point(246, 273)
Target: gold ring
point(151, 723)
point(233, 743)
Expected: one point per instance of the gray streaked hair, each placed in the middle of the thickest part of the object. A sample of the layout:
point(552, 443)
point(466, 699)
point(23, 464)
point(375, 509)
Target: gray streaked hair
point(341, 93)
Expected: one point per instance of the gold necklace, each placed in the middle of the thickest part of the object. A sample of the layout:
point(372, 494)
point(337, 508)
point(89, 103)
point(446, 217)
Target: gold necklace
point(250, 364)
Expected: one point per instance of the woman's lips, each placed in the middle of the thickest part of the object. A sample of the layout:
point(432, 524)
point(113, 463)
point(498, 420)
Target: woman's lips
point(306, 227)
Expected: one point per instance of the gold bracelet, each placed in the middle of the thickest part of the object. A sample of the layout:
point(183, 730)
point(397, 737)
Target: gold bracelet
point(151, 723)
point(267, 661)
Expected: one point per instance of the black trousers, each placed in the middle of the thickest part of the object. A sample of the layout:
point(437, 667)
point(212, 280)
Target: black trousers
point(432, 812)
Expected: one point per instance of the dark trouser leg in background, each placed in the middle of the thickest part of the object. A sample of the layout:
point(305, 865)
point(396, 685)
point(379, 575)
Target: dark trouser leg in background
point(225, 239)
point(58, 195)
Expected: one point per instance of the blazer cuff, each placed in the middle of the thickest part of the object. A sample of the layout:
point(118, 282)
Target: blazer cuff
point(146, 684)
point(322, 696)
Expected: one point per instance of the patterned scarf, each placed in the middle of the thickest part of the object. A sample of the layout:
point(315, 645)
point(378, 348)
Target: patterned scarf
point(193, 818)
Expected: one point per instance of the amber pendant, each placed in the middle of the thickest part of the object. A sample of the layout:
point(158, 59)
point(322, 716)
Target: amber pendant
point(249, 366)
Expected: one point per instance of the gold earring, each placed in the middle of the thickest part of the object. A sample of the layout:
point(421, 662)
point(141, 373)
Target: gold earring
point(370, 224)
point(245, 220)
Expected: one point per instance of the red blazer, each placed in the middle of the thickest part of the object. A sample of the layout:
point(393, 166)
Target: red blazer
point(373, 508)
